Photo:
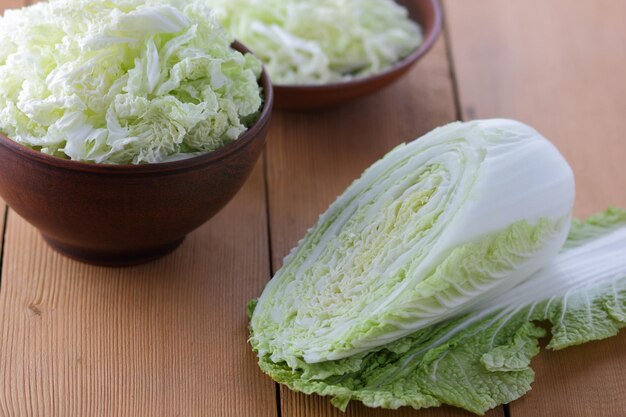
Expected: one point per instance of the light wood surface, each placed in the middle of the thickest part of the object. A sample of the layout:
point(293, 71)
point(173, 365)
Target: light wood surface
point(560, 66)
point(161, 340)
point(169, 338)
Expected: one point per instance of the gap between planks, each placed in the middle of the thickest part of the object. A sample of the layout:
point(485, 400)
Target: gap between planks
point(4, 212)
point(163, 339)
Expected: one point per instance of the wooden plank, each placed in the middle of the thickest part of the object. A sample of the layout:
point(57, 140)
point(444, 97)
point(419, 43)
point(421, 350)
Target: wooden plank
point(3, 214)
point(314, 156)
point(559, 66)
point(3, 209)
point(580, 381)
point(160, 340)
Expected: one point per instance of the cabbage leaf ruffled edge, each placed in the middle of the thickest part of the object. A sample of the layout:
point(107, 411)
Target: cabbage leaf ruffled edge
point(482, 359)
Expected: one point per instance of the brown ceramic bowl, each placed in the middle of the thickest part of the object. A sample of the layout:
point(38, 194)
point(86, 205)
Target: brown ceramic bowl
point(126, 214)
point(428, 13)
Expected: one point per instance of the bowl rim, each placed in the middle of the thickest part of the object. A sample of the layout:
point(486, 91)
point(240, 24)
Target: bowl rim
point(429, 41)
point(248, 136)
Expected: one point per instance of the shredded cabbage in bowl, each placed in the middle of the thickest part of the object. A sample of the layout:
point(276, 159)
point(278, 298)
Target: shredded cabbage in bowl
point(321, 41)
point(123, 81)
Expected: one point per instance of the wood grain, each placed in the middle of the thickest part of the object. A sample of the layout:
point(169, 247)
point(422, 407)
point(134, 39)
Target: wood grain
point(580, 381)
point(160, 340)
point(3, 212)
point(313, 157)
point(559, 66)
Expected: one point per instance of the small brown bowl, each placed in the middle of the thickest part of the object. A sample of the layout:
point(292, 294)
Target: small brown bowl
point(428, 13)
point(126, 214)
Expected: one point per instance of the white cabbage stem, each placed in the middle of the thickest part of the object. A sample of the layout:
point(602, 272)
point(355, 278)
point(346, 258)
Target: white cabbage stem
point(435, 227)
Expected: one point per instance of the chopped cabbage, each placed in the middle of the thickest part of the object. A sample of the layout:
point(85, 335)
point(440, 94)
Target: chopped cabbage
point(123, 81)
point(321, 41)
point(428, 232)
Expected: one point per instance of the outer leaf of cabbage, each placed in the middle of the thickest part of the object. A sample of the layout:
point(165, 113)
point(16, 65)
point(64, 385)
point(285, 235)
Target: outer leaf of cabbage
point(435, 227)
point(482, 359)
point(123, 81)
point(321, 41)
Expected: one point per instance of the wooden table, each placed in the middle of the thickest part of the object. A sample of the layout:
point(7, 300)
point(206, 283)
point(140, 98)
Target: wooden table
point(169, 338)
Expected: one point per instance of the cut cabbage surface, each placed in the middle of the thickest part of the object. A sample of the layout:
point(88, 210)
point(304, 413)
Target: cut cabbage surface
point(123, 81)
point(435, 228)
point(480, 360)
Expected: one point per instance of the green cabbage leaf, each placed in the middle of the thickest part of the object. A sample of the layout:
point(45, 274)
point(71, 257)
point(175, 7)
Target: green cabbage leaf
point(123, 81)
point(481, 359)
point(321, 41)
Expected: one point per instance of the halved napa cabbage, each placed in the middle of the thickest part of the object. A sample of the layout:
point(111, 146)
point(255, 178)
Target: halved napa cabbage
point(435, 228)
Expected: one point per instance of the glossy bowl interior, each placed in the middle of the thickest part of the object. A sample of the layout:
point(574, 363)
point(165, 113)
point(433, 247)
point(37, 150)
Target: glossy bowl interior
point(126, 214)
point(427, 13)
